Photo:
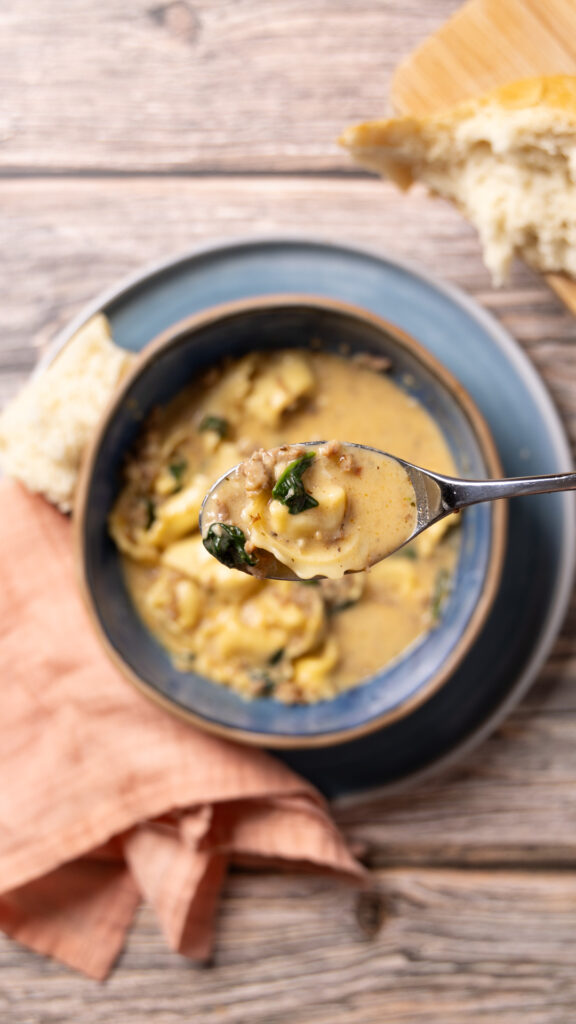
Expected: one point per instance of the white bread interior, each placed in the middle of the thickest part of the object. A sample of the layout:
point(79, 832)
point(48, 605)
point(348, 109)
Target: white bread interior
point(46, 428)
point(507, 159)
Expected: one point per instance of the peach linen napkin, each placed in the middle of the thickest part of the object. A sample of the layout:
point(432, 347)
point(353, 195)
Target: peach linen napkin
point(106, 799)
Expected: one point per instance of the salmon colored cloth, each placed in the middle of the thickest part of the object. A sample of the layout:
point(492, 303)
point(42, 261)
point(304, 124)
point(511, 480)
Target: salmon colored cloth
point(106, 799)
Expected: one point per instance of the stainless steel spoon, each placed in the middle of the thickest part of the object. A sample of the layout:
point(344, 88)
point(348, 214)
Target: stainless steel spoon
point(436, 497)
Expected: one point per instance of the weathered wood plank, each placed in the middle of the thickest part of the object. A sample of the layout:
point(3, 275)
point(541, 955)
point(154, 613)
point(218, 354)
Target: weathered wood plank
point(426, 946)
point(197, 84)
point(110, 89)
point(62, 241)
point(511, 798)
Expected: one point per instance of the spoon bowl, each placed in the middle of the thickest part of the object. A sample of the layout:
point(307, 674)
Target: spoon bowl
point(426, 489)
point(435, 496)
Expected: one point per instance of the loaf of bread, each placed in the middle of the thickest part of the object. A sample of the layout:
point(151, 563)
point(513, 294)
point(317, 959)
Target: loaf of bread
point(507, 159)
point(45, 429)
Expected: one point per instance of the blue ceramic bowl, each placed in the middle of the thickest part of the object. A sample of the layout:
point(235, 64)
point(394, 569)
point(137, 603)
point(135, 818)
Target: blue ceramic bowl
point(162, 369)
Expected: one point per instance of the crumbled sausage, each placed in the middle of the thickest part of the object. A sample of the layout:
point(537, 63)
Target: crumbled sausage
point(346, 460)
point(330, 448)
point(259, 471)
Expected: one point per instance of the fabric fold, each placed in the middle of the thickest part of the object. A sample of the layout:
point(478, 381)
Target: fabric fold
point(110, 798)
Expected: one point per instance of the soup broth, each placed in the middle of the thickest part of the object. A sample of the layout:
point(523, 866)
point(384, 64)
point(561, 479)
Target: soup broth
point(292, 641)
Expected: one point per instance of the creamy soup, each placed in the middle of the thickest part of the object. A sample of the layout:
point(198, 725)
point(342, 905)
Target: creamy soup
point(291, 641)
point(320, 511)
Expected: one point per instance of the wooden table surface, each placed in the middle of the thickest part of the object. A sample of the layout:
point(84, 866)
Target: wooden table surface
point(131, 131)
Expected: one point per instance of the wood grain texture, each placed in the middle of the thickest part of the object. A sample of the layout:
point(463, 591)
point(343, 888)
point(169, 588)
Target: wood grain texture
point(107, 113)
point(68, 240)
point(186, 85)
point(486, 43)
point(565, 288)
point(62, 242)
point(425, 946)
point(512, 799)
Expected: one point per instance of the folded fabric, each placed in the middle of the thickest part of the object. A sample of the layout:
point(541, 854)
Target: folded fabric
point(107, 799)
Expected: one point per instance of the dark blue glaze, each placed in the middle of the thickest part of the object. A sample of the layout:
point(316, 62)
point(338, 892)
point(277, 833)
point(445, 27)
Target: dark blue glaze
point(172, 367)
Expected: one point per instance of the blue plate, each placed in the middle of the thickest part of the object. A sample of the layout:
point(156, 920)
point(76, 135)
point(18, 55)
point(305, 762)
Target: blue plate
point(184, 353)
point(538, 572)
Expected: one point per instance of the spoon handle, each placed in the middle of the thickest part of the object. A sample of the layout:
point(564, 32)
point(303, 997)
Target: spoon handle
point(458, 494)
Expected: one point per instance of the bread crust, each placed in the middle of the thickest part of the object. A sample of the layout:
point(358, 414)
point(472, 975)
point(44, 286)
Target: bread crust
point(555, 93)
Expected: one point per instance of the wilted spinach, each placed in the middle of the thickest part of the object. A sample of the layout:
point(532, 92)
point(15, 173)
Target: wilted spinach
point(177, 470)
point(218, 424)
point(289, 488)
point(227, 543)
point(150, 512)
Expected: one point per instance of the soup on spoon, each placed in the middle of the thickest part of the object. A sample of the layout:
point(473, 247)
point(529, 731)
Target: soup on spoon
point(363, 505)
point(314, 510)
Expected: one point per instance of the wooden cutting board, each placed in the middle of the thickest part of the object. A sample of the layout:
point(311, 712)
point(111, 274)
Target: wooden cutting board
point(485, 44)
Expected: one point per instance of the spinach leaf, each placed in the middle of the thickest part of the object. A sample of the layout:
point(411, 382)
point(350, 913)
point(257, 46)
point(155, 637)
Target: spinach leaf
point(410, 553)
point(227, 543)
point(177, 470)
point(218, 424)
point(333, 609)
point(270, 676)
point(289, 488)
point(150, 512)
point(276, 657)
point(266, 685)
point(442, 588)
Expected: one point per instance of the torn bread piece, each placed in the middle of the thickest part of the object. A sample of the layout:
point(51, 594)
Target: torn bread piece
point(45, 429)
point(507, 159)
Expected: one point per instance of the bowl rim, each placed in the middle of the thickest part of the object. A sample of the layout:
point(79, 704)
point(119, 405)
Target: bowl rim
point(145, 359)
